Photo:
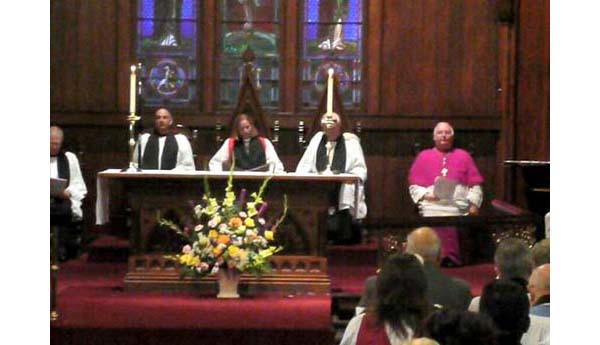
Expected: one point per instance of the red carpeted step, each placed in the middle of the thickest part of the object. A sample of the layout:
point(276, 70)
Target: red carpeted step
point(352, 255)
point(108, 248)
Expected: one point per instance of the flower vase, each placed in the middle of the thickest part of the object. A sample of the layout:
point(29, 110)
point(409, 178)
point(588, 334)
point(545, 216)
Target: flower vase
point(228, 283)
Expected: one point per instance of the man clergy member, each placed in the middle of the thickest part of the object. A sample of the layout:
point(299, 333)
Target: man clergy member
point(456, 166)
point(329, 152)
point(164, 149)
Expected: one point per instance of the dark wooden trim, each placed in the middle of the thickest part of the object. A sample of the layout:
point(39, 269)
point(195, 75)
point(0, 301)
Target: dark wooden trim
point(210, 46)
point(289, 68)
point(371, 64)
point(287, 120)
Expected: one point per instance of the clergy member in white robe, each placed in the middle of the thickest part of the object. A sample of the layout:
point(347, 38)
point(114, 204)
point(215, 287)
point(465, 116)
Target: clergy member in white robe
point(250, 150)
point(163, 149)
point(331, 151)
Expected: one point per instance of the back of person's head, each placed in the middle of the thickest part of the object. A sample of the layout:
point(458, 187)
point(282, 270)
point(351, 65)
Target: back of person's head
point(506, 302)
point(513, 259)
point(401, 287)
point(539, 282)
point(423, 341)
point(455, 327)
point(541, 252)
point(425, 242)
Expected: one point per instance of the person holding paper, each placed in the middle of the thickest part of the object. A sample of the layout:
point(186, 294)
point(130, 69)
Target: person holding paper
point(164, 149)
point(65, 204)
point(332, 152)
point(251, 151)
point(444, 181)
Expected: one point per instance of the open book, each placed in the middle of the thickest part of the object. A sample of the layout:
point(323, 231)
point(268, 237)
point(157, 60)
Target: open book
point(57, 185)
point(444, 188)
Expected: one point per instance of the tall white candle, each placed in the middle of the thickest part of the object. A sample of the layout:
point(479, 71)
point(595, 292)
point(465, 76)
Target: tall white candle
point(330, 91)
point(132, 91)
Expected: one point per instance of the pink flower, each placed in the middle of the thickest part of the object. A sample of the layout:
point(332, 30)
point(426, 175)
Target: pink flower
point(186, 249)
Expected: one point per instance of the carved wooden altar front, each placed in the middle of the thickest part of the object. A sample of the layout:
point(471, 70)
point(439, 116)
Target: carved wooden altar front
point(154, 194)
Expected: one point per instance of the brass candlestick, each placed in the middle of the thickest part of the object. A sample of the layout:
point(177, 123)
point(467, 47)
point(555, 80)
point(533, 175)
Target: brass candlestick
point(132, 118)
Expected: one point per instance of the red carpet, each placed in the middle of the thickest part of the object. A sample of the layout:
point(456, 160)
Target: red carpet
point(94, 309)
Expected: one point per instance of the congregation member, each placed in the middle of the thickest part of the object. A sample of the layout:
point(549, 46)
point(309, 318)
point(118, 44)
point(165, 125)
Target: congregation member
point(65, 204)
point(250, 150)
point(164, 148)
point(541, 252)
point(454, 327)
point(439, 164)
point(332, 151)
point(506, 303)
point(442, 291)
point(512, 261)
point(539, 312)
point(401, 305)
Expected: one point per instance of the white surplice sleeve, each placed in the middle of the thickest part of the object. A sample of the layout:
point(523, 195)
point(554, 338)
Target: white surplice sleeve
point(355, 165)
point(272, 157)
point(76, 187)
point(475, 195)
point(308, 163)
point(185, 156)
point(222, 156)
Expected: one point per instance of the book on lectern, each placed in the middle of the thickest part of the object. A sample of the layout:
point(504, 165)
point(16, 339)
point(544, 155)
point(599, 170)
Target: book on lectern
point(57, 185)
point(444, 188)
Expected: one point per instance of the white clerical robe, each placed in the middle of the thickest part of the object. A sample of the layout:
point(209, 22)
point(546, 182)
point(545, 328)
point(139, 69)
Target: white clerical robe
point(222, 156)
point(76, 186)
point(185, 156)
point(355, 164)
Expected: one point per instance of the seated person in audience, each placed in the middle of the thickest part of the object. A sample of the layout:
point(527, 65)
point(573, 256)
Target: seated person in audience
point(446, 163)
point(506, 303)
point(423, 341)
point(443, 291)
point(541, 252)
point(330, 152)
point(250, 150)
point(454, 327)
point(539, 313)
point(65, 206)
point(164, 149)
point(400, 308)
point(512, 261)
point(539, 291)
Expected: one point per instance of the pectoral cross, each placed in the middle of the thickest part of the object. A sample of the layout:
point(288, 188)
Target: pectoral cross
point(444, 168)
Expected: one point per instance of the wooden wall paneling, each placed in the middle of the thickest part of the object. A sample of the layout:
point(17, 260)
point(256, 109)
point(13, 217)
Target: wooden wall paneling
point(207, 50)
point(290, 55)
point(506, 107)
point(57, 53)
point(533, 107)
point(125, 26)
point(439, 57)
point(93, 73)
point(371, 64)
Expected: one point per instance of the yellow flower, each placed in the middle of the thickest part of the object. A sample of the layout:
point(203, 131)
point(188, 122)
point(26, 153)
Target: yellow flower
point(217, 251)
point(249, 222)
point(213, 234)
point(233, 250)
point(269, 235)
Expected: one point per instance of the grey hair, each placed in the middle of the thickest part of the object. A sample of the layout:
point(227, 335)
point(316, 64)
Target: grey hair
point(514, 259)
point(541, 252)
point(439, 123)
point(56, 130)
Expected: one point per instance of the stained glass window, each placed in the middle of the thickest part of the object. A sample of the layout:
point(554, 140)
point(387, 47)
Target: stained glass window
point(332, 37)
point(254, 24)
point(166, 47)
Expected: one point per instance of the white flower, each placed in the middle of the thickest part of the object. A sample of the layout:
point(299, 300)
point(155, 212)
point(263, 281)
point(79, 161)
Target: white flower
point(186, 249)
point(261, 221)
point(223, 227)
point(250, 233)
point(243, 214)
point(215, 269)
point(198, 227)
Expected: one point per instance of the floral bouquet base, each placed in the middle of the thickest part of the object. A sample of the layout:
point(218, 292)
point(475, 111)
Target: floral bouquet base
point(229, 280)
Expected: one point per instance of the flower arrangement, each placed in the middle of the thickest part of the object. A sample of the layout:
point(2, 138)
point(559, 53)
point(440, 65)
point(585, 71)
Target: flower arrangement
point(231, 235)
